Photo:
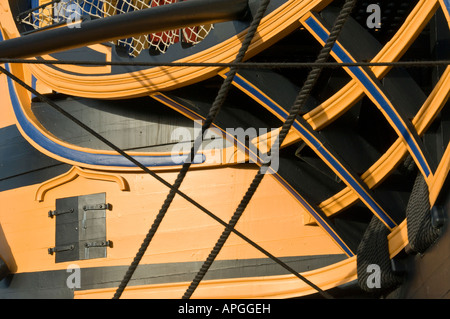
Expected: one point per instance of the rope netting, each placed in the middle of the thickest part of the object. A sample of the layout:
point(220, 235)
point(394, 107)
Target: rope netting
point(71, 11)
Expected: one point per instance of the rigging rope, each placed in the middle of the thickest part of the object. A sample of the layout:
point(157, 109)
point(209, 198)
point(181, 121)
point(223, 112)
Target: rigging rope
point(317, 66)
point(45, 99)
point(299, 103)
point(240, 65)
point(214, 110)
point(55, 106)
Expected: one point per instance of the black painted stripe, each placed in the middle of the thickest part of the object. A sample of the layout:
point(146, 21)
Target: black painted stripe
point(21, 164)
point(52, 284)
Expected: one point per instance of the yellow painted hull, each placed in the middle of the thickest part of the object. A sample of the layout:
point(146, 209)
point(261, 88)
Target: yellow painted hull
point(302, 226)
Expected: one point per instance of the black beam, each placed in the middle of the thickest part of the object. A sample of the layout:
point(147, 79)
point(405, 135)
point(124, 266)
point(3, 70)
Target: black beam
point(121, 26)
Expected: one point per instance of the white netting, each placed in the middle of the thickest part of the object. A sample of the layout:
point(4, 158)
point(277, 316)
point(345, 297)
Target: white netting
point(68, 11)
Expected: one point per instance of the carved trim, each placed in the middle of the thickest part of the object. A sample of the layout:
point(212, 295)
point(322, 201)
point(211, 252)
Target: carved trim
point(72, 174)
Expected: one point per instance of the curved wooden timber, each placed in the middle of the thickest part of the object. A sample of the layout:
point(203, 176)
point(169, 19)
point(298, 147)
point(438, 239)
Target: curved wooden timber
point(280, 21)
point(317, 183)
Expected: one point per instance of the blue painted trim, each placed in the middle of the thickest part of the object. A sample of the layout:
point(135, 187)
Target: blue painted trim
point(368, 84)
point(447, 5)
point(317, 217)
point(196, 117)
point(286, 185)
point(318, 147)
point(33, 85)
point(106, 160)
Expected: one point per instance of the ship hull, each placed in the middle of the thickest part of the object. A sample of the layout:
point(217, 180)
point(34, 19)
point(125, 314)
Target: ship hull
point(367, 156)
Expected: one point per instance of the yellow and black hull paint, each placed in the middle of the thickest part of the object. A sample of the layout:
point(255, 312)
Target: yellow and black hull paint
point(312, 216)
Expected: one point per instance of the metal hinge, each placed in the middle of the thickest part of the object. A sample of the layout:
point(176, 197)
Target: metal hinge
point(53, 250)
point(107, 243)
point(52, 213)
point(97, 207)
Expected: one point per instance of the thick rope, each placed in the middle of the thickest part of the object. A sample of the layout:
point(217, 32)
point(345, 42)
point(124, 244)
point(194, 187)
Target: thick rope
point(374, 250)
point(294, 112)
point(56, 107)
point(45, 99)
point(374, 269)
point(214, 110)
point(421, 233)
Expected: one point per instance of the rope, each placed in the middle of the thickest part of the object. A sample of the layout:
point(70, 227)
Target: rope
point(373, 251)
point(190, 200)
point(317, 66)
point(295, 110)
point(374, 247)
point(214, 110)
point(35, 8)
point(145, 169)
point(421, 233)
point(240, 65)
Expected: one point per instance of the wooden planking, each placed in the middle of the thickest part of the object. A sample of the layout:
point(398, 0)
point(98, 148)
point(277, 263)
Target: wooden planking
point(139, 124)
point(274, 219)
